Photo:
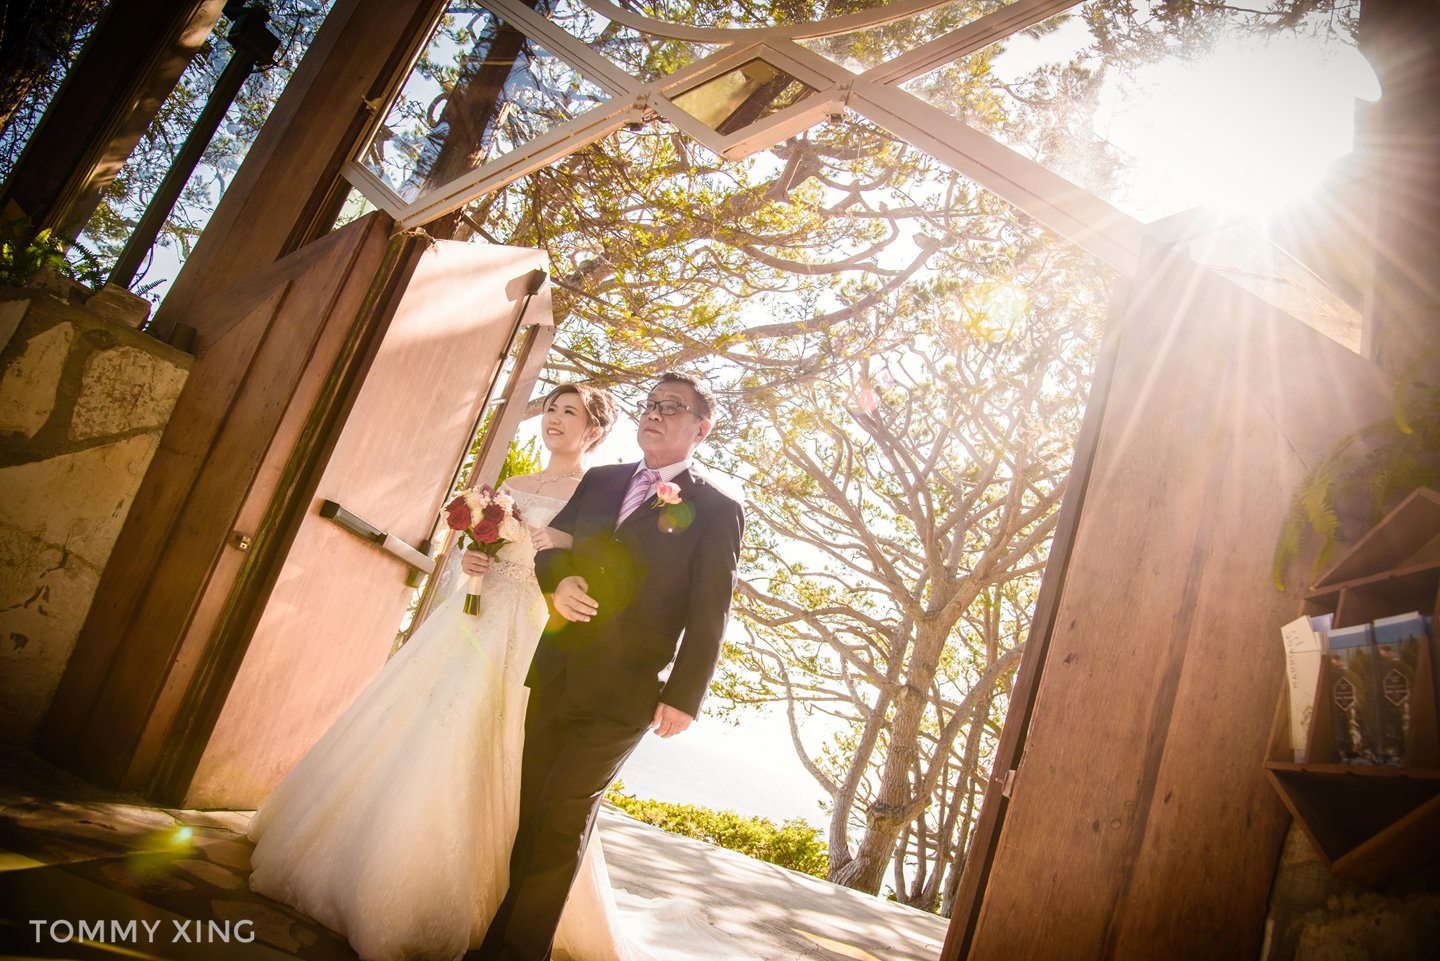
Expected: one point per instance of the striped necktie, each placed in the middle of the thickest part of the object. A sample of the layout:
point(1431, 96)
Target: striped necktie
point(639, 491)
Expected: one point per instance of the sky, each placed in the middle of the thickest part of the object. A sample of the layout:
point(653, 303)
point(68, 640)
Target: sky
point(1245, 127)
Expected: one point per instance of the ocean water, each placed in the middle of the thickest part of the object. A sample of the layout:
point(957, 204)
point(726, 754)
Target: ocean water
point(749, 768)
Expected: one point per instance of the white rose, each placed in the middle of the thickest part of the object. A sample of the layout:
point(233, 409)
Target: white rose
point(511, 530)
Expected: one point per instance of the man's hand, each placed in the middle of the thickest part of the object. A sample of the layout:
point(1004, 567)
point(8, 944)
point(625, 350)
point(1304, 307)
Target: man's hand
point(571, 601)
point(475, 563)
point(669, 721)
point(545, 538)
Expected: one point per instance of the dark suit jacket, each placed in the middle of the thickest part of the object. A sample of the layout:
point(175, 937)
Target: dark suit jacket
point(663, 583)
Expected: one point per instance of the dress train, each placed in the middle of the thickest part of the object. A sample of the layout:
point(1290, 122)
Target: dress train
point(394, 830)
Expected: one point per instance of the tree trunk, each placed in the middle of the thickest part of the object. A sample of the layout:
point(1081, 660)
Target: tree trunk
point(894, 806)
point(471, 109)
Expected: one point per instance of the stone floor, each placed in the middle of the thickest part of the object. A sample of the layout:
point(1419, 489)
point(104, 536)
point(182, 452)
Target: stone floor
point(72, 853)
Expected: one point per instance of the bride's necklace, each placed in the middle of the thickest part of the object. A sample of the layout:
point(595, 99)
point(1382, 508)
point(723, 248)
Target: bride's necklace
point(557, 478)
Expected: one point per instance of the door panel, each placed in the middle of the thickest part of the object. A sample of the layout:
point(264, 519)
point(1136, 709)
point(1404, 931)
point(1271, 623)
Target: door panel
point(261, 339)
point(1140, 824)
point(338, 600)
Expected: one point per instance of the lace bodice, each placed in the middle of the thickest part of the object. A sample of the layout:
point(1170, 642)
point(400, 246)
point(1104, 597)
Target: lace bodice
point(517, 559)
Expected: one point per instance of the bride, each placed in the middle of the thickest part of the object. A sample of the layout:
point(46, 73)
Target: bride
point(395, 829)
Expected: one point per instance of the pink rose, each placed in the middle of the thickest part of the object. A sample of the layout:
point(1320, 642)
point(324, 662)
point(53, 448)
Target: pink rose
point(667, 492)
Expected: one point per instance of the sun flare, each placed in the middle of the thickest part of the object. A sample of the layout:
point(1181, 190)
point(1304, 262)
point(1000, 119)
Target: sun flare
point(1246, 128)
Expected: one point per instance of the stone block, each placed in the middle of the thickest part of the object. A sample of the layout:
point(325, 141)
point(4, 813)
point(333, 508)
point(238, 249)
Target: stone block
point(65, 288)
point(123, 389)
point(78, 501)
point(232, 854)
point(115, 303)
point(45, 593)
point(30, 383)
point(11, 312)
point(214, 875)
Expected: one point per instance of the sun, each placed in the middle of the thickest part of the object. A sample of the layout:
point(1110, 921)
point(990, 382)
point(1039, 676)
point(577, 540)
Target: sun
point(1247, 128)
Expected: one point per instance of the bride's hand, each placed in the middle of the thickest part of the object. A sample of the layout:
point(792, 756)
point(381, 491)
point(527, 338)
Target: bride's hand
point(475, 563)
point(546, 538)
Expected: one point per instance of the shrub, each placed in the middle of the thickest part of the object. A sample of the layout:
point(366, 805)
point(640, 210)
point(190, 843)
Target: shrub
point(794, 844)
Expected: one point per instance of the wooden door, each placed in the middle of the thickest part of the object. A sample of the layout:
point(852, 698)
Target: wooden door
point(276, 351)
point(1135, 821)
point(338, 600)
point(399, 335)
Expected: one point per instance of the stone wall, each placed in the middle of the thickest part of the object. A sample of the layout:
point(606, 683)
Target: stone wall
point(1315, 916)
point(84, 397)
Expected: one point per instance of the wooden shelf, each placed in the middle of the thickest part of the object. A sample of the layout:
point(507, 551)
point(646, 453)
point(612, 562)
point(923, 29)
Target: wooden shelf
point(1388, 589)
point(1371, 824)
point(1407, 533)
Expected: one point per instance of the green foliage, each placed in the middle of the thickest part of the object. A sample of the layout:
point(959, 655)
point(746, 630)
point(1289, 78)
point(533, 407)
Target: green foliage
point(24, 254)
point(520, 459)
point(794, 844)
point(1365, 475)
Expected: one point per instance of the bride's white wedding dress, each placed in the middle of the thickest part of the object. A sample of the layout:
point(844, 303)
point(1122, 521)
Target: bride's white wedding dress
point(395, 829)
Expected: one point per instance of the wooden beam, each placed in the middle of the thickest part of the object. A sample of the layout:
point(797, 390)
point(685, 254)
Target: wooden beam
point(550, 147)
point(518, 388)
point(821, 27)
point(128, 67)
point(1398, 144)
point(286, 192)
point(975, 35)
point(1071, 211)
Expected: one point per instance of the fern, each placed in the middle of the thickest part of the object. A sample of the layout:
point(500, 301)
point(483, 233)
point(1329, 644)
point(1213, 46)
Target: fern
point(1375, 467)
point(24, 254)
point(520, 459)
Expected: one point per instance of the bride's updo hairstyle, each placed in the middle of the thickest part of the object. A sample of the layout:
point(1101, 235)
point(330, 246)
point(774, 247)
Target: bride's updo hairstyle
point(599, 408)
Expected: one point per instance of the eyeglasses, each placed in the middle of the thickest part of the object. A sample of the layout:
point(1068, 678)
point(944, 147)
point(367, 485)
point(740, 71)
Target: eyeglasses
point(667, 408)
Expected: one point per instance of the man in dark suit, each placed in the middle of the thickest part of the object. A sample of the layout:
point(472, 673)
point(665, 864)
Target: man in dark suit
point(640, 600)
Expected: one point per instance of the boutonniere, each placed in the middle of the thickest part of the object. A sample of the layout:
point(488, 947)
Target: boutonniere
point(677, 515)
point(667, 492)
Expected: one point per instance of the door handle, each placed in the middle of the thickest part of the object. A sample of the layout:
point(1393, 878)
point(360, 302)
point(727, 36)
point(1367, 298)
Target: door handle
point(369, 532)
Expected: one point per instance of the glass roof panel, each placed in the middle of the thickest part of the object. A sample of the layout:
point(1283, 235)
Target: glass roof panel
point(1222, 114)
point(440, 126)
point(751, 13)
point(861, 50)
point(642, 56)
point(734, 100)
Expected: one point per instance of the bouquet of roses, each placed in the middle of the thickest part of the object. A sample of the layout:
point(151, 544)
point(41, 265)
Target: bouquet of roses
point(490, 520)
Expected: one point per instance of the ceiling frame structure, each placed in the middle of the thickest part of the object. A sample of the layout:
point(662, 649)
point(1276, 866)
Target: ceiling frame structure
point(1071, 211)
